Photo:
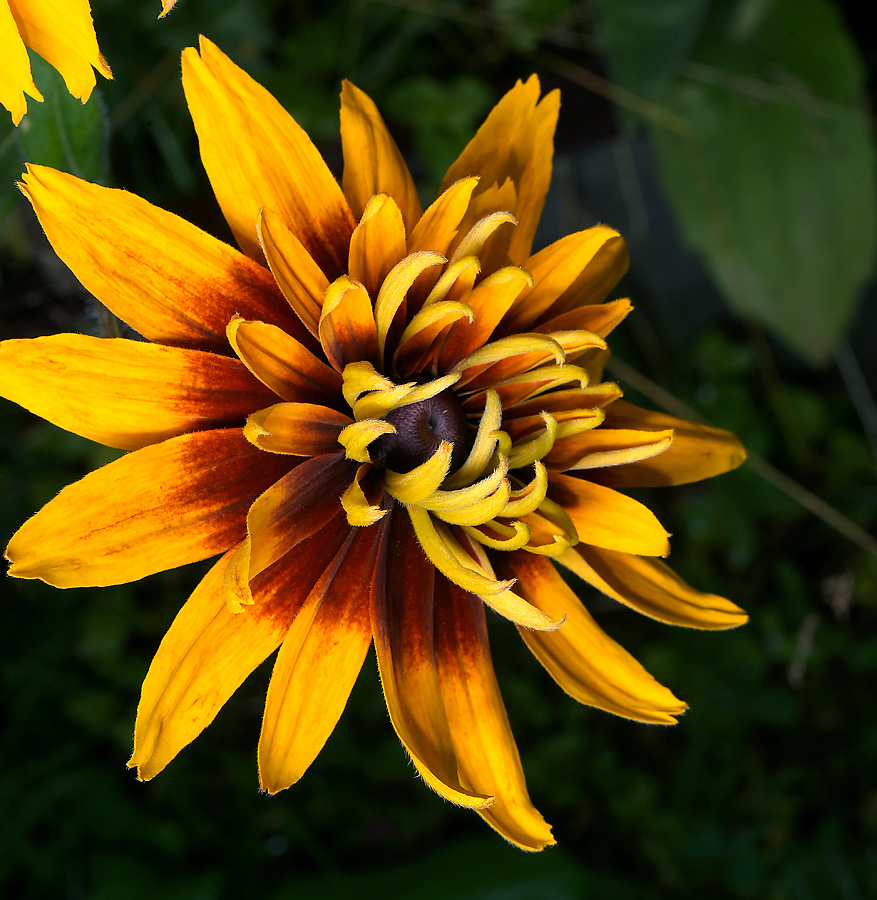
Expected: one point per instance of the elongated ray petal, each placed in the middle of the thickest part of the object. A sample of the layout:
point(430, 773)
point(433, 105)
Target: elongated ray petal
point(277, 166)
point(580, 656)
point(402, 625)
point(422, 481)
point(597, 448)
point(16, 79)
point(167, 279)
point(347, 324)
point(298, 429)
point(126, 394)
point(488, 759)
point(377, 244)
point(160, 507)
point(317, 665)
point(438, 225)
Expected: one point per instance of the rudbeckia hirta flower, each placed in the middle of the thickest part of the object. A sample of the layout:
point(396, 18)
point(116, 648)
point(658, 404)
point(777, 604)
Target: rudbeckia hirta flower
point(384, 419)
point(62, 33)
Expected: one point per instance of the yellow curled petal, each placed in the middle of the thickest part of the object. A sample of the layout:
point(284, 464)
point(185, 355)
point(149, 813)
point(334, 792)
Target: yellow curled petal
point(516, 535)
point(451, 501)
point(355, 438)
point(483, 511)
point(421, 482)
point(378, 403)
point(457, 279)
point(360, 513)
point(480, 232)
point(514, 345)
point(528, 452)
point(435, 316)
point(359, 377)
point(526, 500)
point(483, 445)
point(430, 389)
point(438, 549)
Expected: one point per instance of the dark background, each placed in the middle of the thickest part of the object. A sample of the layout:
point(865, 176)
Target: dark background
point(766, 788)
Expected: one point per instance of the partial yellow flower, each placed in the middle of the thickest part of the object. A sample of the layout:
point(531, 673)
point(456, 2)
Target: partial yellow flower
point(384, 419)
point(62, 32)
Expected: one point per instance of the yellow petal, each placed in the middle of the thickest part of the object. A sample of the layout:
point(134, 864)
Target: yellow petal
point(355, 438)
point(166, 7)
point(157, 508)
point(298, 429)
point(302, 281)
point(423, 330)
point(597, 448)
point(348, 332)
point(15, 75)
point(276, 166)
point(282, 363)
point(318, 664)
point(423, 480)
point(580, 656)
point(652, 588)
point(126, 394)
point(372, 161)
point(361, 513)
point(377, 244)
point(516, 141)
point(487, 758)
point(608, 519)
point(438, 225)
point(598, 318)
point(167, 279)
point(577, 270)
point(63, 34)
point(209, 651)
point(402, 625)
point(698, 451)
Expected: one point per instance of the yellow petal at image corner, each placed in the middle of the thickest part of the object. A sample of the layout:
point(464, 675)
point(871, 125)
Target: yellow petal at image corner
point(372, 161)
point(318, 664)
point(487, 757)
point(126, 394)
point(276, 166)
point(580, 656)
point(163, 276)
point(15, 75)
point(158, 508)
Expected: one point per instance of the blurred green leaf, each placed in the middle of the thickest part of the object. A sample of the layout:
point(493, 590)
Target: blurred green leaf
point(774, 180)
point(11, 166)
point(62, 132)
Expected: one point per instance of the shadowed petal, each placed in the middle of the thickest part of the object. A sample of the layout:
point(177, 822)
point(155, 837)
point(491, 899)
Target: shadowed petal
point(277, 166)
point(698, 451)
point(157, 508)
point(652, 588)
point(402, 625)
point(299, 429)
point(372, 161)
point(580, 656)
point(209, 651)
point(487, 757)
point(608, 519)
point(318, 664)
point(167, 279)
point(126, 394)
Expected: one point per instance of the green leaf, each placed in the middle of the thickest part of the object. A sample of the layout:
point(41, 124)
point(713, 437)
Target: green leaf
point(11, 167)
point(62, 132)
point(774, 180)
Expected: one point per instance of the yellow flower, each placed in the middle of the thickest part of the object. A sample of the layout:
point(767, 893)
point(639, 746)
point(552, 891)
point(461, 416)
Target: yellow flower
point(383, 418)
point(62, 33)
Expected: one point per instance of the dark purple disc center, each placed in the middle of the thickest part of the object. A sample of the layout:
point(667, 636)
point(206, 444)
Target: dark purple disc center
point(420, 428)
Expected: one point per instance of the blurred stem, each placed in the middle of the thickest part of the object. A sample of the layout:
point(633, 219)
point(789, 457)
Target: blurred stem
point(859, 392)
point(797, 492)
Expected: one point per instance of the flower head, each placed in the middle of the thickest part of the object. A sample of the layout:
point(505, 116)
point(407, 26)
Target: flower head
point(63, 34)
point(384, 419)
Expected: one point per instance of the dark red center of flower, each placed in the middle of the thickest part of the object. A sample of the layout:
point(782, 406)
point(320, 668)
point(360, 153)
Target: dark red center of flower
point(420, 428)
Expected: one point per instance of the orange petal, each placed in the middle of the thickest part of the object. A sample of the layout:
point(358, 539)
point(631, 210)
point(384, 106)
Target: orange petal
point(599, 318)
point(166, 7)
point(158, 508)
point(578, 270)
point(348, 331)
point(652, 588)
point(277, 166)
point(378, 243)
point(402, 625)
point(439, 224)
point(15, 74)
point(318, 664)
point(209, 651)
point(516, 141)
point(608, 519)
point(282, 363)
point(595, 396)
point(167, 279)
point(487, 757)
point(297, 429)
point(580, 656)
point(63, 34)
point(302, 281)
point(372, 161)
point(698, 451)
point(126, 394)
point(602, 447)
